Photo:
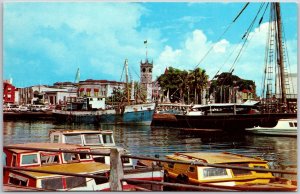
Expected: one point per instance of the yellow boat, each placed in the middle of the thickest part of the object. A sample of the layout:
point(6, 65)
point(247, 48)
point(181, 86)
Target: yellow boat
point(236, 179)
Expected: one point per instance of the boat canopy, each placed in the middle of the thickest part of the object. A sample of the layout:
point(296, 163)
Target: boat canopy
point(247, 104)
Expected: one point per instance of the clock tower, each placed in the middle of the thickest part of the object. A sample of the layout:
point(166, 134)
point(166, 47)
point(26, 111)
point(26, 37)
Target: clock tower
point(146, 78)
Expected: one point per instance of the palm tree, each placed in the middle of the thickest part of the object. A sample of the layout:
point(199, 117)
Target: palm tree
point(198, 79)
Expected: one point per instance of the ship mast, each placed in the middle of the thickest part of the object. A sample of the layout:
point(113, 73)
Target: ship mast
point(280, 59)
point(126, 72)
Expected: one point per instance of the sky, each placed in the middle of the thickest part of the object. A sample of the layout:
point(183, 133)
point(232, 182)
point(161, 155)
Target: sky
point(45, 42)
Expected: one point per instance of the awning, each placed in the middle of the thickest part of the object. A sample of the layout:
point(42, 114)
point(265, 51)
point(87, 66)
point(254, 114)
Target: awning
point(81, 89)
point(88, 89)
point(96, 90)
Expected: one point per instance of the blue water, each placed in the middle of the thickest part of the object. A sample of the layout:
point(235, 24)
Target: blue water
point(281, 152)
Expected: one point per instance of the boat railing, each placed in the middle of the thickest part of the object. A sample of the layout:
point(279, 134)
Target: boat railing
point(116, 176)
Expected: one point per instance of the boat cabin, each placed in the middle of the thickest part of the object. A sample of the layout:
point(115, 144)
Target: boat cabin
point(54, 161)
point(223, 109)
point(96, 140)
point(91, 138)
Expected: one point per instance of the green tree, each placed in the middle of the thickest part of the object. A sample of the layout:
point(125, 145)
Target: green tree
point(198, 81)
point(179, 83)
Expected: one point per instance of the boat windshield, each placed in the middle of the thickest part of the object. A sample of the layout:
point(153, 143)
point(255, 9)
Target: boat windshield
point(92, 139)
point(29, 159)
point(49, 158)
point(208, 172)
point(213, 173)
point(73, 139)
point(240, 172)
point(107, 139)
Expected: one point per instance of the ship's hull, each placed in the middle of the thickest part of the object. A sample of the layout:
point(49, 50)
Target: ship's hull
point(230, 122)
point(140, 114)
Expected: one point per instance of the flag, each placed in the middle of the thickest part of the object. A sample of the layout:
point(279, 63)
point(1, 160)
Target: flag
point(77, 77)
point(145, 41)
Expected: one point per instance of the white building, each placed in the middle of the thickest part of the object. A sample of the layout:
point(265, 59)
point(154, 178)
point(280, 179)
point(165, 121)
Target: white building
point(44, 94)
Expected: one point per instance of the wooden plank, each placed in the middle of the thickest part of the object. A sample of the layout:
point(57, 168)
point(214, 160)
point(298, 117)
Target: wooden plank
point(116, 169)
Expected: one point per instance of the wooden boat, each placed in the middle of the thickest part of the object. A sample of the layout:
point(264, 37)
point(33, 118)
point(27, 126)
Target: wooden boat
point(42, 163)
point(102, 141)
point(225, 178)
point(284, 127)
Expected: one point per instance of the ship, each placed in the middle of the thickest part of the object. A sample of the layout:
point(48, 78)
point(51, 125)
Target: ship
point(95, 110)
point(265, 113)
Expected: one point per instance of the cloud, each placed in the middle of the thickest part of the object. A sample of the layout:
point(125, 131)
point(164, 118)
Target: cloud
point(59, 37)
point(250, 65)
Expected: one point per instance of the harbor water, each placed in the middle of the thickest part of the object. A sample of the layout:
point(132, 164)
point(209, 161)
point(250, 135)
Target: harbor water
point(280, 152)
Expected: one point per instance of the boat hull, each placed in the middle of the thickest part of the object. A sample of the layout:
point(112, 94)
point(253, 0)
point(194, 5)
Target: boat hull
point(230, 122)
point(141, 114)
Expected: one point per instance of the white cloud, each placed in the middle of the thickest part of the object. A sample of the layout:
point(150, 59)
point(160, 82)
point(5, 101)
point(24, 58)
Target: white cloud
point(97, 37)
point(249, 66)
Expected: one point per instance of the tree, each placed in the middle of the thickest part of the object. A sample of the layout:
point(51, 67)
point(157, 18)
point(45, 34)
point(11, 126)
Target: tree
point(225, 82)
point(180, 82)
point(198, 80)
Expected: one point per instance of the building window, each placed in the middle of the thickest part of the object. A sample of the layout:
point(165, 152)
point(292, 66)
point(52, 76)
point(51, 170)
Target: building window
point(81, 92)
point(88, 92)
point(96, 92)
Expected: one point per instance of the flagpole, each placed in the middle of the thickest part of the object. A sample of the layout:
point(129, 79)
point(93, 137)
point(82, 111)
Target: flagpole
point(145, 42)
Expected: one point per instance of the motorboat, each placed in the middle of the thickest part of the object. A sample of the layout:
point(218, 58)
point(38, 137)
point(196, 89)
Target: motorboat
point(223, 177)
point(96, 140)
point(47, 168)
point(102, 141)
point(284, 127)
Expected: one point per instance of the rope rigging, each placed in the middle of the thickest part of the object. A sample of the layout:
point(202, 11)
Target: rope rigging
point(227, 28)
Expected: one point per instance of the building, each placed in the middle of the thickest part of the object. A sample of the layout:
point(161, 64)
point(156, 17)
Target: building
point(98, 88)
point(146, 78)
point(41, 94)
point(9, 92)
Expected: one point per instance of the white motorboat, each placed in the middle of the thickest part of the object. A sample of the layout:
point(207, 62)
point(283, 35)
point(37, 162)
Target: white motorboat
point(284, 127)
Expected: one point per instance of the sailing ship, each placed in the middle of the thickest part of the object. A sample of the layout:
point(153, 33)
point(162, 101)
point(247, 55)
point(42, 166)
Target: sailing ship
point(126, 112)
point(234, 120)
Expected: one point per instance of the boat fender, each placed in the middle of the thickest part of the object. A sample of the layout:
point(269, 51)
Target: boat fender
point(182, 178)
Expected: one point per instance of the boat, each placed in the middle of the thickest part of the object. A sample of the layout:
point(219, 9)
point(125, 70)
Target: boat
point(96, 140)
point(228, 116)
point(102, 141)
point(284, 127)
point(37, 168)
point(135, 114)
point(221, 177)
point(273, 106)
point(95, 110)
